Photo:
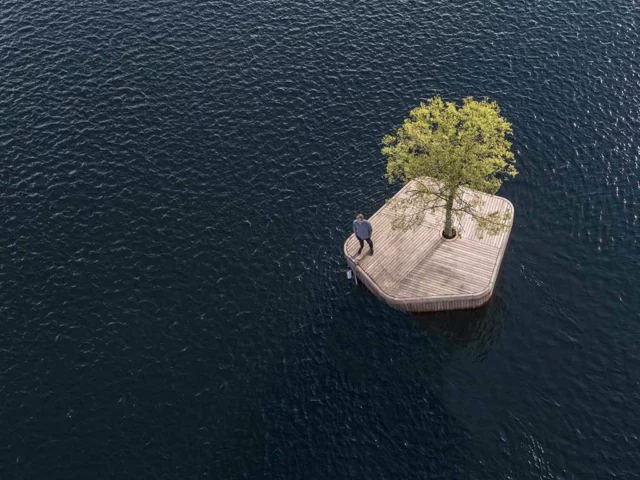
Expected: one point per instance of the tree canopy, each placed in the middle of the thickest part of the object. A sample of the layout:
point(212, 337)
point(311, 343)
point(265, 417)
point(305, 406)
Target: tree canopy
point(442, 148)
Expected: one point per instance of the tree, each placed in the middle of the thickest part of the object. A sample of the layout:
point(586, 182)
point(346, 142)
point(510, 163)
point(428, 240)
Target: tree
point(441, 149)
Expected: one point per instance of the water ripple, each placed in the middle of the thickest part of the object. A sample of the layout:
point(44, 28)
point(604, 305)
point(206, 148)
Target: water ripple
point(177, 179)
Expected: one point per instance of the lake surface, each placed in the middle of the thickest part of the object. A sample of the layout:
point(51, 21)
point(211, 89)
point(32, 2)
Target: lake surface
point(176, 182)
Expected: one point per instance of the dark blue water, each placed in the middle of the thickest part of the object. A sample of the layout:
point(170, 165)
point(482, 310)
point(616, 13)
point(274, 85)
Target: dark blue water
point(176, 182)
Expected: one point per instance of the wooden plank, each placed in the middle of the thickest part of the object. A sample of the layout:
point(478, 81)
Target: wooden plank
point(455, 263)
point(437, 265)
point(386, 249)
point(433, 271)
point(439, 285)
point(408, 257)
point(470, 249)
point(418, 271)
point(427, 277)
point(409, 288)
point(463, 263)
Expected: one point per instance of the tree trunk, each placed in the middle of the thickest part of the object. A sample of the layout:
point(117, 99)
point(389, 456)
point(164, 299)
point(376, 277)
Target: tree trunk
point(448, 223)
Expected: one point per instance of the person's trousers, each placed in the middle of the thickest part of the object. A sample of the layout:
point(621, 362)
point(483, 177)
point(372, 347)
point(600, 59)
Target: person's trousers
point(362, 242)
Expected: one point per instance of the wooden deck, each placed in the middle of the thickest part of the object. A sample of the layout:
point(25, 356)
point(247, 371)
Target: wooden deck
point(420, 271)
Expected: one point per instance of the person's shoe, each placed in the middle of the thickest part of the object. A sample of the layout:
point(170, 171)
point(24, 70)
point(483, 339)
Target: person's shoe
point(371, 253)
point(359, 252)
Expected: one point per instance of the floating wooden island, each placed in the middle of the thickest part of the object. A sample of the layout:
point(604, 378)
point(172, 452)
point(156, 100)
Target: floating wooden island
point(420, 271)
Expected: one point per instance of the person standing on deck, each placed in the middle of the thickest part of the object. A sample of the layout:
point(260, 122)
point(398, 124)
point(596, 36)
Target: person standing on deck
point(363, 230)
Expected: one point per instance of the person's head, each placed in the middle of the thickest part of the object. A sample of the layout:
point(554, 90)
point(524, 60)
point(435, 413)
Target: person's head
point(359, 218)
